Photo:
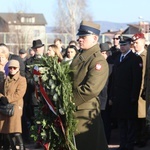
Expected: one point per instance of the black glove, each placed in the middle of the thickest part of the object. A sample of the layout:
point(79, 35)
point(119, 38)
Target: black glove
point(3, 100)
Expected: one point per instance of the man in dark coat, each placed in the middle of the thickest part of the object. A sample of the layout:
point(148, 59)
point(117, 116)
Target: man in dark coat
point(89, 77)
point(127, 75)
point(30, 101)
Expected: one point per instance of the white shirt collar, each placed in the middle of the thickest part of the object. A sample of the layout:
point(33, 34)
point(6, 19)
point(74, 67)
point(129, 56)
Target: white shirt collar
point(126, 53)
point(138, 53)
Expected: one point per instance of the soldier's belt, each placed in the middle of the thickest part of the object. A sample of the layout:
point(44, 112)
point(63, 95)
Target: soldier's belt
point(86, 106)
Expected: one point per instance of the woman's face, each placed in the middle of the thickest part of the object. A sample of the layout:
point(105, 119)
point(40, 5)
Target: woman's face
point(13, 70)
point(3, 59)
point(71, 53)
point(50, 52)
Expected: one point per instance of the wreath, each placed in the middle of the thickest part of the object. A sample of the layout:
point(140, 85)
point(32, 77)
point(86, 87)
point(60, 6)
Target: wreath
point(54, 123)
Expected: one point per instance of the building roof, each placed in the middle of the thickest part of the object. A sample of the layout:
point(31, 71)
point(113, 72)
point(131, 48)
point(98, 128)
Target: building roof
point(114, 32)
point(134, 25)
point(142, 26)
point(23, 18)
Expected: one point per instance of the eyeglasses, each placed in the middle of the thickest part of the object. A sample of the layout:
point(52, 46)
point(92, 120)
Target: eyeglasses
point(115, 38)
point(12, 68)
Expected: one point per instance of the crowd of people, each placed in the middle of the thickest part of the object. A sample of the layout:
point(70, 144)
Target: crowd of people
point(125, 96)
point(110, 88)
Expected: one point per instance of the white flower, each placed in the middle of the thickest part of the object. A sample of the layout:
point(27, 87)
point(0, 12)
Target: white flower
point(55, 97)
point(42, 70)
point(61, 111)
point(51, 81)
point(53, 86)
point(36, 78)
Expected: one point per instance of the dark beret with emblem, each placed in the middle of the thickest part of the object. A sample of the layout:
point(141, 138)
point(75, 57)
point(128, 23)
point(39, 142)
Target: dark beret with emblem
point(87, 28)
point(104, 47)
point(124, 40)
point(138, 36)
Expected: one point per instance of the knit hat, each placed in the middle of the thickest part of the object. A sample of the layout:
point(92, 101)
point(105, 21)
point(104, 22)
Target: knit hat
point(13, 63)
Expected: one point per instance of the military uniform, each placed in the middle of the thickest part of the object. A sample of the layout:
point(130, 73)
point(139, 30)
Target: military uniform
point(141, 101)
point(147, 80)
point(141, 140)
point(90, 72)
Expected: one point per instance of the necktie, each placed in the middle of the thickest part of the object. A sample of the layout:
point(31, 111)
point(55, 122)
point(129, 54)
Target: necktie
point(122, 57)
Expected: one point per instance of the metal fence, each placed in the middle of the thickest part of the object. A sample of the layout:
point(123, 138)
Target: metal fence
point(16, 41)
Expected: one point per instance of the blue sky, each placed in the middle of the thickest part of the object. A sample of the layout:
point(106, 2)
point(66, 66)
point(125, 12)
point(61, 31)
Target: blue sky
point(101, 10)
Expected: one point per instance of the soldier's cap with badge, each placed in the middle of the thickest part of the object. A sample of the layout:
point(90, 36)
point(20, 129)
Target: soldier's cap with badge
point(37, 44)
point(138, 36)
point(87, 28)
point(124, 40)
point(104, 47)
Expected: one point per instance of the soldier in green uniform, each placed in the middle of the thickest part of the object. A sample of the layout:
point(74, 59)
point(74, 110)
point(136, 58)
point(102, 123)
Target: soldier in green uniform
point(90, 72)
point(139, 46)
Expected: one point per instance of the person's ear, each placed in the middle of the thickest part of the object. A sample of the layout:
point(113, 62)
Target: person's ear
point(95, 38)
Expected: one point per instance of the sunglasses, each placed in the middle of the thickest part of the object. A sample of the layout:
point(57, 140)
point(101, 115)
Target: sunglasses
point(12, 68)
point(115, 38)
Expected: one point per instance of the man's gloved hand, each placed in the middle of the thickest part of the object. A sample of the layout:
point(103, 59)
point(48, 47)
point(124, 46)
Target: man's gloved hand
point(3, 100)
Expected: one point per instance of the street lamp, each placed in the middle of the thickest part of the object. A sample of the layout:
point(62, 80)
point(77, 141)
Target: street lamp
point(141, 24)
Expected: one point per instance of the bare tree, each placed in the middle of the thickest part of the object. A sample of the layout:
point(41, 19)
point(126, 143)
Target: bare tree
point(18, 34)
point(69, 14)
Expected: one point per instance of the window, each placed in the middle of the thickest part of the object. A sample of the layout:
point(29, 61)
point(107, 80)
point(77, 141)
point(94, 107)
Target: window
point(33, 19)
point(22, 19)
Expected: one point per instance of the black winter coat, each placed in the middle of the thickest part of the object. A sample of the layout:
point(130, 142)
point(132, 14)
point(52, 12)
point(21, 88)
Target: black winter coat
point(127, 76)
